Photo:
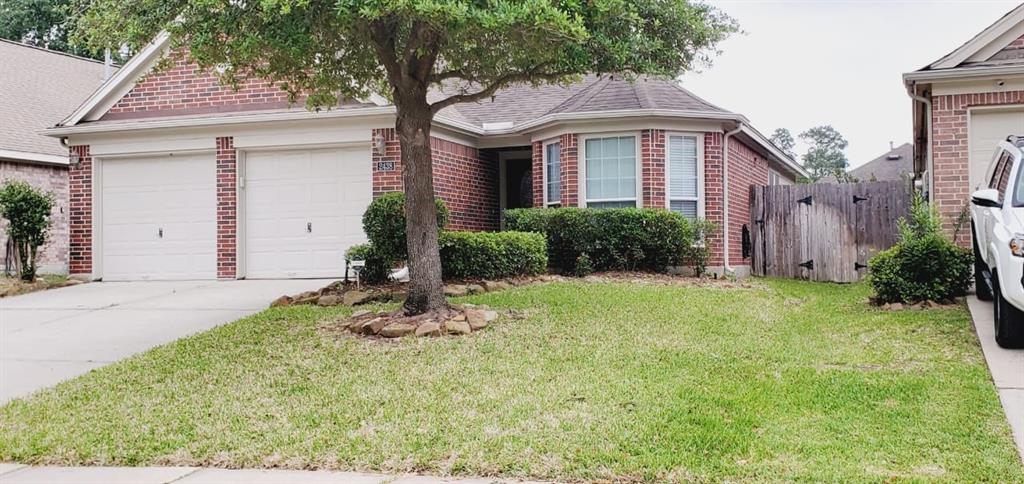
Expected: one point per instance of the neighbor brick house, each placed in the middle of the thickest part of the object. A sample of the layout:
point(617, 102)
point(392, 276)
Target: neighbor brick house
point(176, 177)
point(964, 104)
point(38, 86)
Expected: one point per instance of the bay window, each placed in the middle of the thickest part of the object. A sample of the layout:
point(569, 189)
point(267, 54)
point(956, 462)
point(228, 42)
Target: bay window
point(610, 167)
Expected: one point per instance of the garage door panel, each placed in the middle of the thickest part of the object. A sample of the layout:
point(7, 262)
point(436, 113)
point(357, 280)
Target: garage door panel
point(987, 130)
point(300, 225)
point(159, 218)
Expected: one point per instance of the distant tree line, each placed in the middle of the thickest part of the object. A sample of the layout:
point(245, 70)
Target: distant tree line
point(825, 155)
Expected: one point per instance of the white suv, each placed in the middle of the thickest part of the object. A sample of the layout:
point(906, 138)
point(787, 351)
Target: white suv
point(997, 223)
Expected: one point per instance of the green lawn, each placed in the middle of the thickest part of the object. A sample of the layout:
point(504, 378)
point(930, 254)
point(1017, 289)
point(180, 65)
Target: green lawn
point(787, 380)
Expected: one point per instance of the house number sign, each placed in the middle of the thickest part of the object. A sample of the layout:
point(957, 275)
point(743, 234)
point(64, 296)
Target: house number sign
point(385, 166)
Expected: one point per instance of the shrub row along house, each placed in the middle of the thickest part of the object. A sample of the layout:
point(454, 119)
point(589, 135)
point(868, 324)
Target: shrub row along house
point(965, 104)
point(175, 177)
point(38, 87)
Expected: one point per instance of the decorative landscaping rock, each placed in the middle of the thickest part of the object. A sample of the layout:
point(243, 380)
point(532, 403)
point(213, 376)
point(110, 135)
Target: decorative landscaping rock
point(492, 286)
point(360, 313)
point(457, 327)
point(475, 289)
point(455, 290)
point(475, 318)
point(281, 301)
point(490, 315)
point(354, 298)
point(328, 300)
point(397, 330)
point(430, 328)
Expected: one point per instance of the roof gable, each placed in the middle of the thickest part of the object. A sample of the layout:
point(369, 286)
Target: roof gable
point(987, 44)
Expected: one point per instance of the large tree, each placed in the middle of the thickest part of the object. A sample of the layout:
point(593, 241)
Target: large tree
point(783, 140)
point(825, 153)
point(405, 49)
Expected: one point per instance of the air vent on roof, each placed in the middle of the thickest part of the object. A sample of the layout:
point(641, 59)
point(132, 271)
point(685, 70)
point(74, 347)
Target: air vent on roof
point(893, 156)
point(492, 126)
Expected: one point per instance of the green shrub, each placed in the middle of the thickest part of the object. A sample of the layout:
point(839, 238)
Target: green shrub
point(27, 211)
point(376, 270)
point(924, 264)
point(384, 224)
point(491, 255)
point(581, 240)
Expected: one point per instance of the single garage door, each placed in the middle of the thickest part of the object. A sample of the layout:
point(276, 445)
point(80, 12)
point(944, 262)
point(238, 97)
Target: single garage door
point(159, 218)
point(303, 209)
point(988, 128)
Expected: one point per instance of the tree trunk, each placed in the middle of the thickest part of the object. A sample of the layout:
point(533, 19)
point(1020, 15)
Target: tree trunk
point(426, 291)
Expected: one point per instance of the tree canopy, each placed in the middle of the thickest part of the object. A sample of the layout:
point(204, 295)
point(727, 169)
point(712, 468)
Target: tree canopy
point(825, 153)
point(783, 140)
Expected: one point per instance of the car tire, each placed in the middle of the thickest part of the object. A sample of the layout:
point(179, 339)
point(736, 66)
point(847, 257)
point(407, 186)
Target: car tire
point(1009, 321)
point(981, 287)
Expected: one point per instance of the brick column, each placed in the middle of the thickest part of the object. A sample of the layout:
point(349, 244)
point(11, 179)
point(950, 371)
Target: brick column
point(227, 208)
point(652, 155)
point(570, 170)
point(80, 213)
point(538, 174)
point(713, 209)
point(387, 181)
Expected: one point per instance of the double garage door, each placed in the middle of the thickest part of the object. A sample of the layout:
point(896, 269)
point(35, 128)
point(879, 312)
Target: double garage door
point(298, 211)
point(988, 128)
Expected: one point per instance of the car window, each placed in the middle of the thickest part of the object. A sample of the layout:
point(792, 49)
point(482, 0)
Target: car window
point(1018, 189)
point(997, 172)
point(1004, 179)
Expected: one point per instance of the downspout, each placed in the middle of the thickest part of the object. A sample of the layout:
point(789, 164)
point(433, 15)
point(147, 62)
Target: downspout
point(912, 92)
point(726, 268)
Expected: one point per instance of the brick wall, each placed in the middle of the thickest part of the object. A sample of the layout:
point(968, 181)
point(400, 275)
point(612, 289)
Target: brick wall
point(570, 169)
point(464, 177)
point(950, 154)
point(53, 255)
point(80, 213)
point(227, 209)
point(746, 169)
point(713, 193)
point(184, 88)
point(652, 156)
point(537, 172)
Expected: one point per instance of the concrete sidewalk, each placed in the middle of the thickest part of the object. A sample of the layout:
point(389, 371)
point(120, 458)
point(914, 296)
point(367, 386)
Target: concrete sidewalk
point(19, 474)
point(1007, 367)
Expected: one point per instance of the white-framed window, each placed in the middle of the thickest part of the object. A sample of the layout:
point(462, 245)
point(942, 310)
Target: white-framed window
point(552, 174)
point(611, 171)
point(684, 154)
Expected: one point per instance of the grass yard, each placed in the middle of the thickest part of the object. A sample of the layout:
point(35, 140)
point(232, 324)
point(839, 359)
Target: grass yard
point(13, 286)
point(787, 380)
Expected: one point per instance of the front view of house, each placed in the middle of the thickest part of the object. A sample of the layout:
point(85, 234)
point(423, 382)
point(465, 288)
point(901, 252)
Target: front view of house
point(173, 176)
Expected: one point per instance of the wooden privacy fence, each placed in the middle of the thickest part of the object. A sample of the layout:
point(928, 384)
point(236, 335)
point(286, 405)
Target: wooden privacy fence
point(824, 232)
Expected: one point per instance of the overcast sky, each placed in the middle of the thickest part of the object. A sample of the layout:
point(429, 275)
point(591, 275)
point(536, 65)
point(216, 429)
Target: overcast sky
point(800, 64)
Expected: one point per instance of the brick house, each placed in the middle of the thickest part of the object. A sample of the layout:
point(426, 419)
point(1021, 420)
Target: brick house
point(964, 104)
point(175, 177)
point(37, 87)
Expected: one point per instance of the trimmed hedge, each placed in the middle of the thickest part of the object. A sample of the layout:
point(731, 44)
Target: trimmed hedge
point(384, 224)
point(376, 270)
point(581, 240)
point(924, 265)
point(491, 255)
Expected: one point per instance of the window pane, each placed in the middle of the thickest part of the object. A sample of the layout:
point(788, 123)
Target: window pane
point(688, 208)
point(682, 169)
point(611, 168)
point(553, 166)
point(625, 204)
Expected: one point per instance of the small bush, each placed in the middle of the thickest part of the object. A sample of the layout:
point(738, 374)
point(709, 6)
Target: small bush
point(376, 270)
point(491, 255)
point(581, 240)
point(28, 213)
point(384, 224)
point(924, 265)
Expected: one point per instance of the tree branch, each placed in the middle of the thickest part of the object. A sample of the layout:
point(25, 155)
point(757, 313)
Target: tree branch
point(533, 75)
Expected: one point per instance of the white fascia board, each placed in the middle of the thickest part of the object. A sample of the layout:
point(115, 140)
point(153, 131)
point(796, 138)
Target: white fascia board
point(549, 119)
point(30, 157)
point(773, 150)
point(120, 83)
point(162, 123)
point(982, 40)
point(963, 73)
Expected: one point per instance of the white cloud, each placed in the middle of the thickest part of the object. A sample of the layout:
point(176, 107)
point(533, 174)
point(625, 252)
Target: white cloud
point(800, 64)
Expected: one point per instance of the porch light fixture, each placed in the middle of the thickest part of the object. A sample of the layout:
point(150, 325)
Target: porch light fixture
point(378, 144)
point(74, 159)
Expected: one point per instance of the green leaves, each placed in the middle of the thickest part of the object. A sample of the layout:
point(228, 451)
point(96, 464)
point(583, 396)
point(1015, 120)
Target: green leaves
point(27, 211)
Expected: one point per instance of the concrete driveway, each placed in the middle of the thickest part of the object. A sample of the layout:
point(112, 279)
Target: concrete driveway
point(1007, 367)
point(50, 336)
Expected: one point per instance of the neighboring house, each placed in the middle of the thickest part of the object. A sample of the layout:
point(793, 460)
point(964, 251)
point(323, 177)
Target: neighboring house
point(896, 164)
point(176, 177)
point(964, 104)
point(37, 88)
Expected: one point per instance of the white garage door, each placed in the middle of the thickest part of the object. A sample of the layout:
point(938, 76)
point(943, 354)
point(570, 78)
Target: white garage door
point(988, 128)
point(303, 209)
point(159, 218)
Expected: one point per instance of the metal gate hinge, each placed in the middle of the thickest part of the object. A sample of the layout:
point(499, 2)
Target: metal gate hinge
point(807, 265)
point(806, 200)
point(857, 199)
point(858, 266)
